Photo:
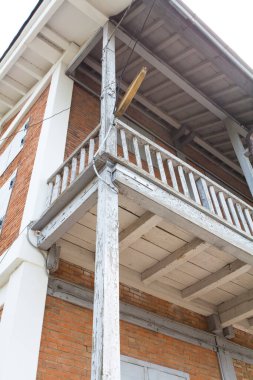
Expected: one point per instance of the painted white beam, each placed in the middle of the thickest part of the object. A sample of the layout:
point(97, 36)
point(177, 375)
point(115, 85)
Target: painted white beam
point(6, 101)
point(174, 260)
point(55, 38)
point(133, 232)
point(30, 69)
point(240, 153)
point(45, 50)
point(106, 336)
point(236, 309)
point(14, 85)
point(86, 8)
point(214, 280)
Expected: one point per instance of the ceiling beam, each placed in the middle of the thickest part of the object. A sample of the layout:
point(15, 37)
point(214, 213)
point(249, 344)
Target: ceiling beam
point(174, 260)
point(236, 309)
point(29, 68)
point(88, 9)
point(175, 77)
point(55, 38)
point(166, 117)
point(45, 50)
point(14, 85)
point(137, 229)
point(214, 280)
point(6, 101)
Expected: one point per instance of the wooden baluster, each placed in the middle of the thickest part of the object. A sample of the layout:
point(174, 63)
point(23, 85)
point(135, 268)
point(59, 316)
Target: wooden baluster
point(82, 160)
point(91, 150)
point(56, 188)
point(242, 218)
point(194, 188)
point(73, 169)
point(249, 219)
point(149, 160)
point(215, 202)
point(172, 175)
point(183, 181)
point(50, 194)
point(161, 167)
point(233, 212)
point(137, 152)
point(124, 144)
point(224, 207)
point(204, 194)
point(65, 178)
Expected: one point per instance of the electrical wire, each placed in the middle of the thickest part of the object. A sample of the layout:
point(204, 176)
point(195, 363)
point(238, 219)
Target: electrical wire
point(133, 48)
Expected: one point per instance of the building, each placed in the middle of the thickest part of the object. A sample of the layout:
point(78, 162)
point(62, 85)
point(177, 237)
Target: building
point(162, 194)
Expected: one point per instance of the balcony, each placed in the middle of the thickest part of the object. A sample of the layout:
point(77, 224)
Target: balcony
point(182, 236)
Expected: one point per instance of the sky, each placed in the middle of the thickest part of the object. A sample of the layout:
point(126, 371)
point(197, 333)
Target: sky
point(230, 19)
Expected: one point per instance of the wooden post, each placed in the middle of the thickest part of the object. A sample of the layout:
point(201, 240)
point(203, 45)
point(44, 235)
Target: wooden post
point(106, 337)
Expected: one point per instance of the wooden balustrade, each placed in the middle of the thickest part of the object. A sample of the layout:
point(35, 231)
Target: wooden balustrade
point(184, 179)
point(74, 166)
point(141, 153)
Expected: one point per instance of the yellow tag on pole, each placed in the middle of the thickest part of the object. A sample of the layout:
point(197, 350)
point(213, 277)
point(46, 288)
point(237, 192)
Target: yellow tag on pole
point(131, 92)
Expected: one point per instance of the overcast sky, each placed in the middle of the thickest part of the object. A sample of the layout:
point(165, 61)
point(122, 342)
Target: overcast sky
point(230, 19)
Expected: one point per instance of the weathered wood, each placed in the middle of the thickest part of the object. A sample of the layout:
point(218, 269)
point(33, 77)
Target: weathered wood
point(124, 144)
point(106, 339)
point(133, 232)
point(226, 365)
point(233, 212)
point(183, 181)
point(214, 280)
point(242, 218)
point(224, 207)
point(249, 219)
point(194, 188)
point(215, 201)
point(149, 160)
point(172, 175)
point(236, 309)
point(161, 167)
point(50, 193)
point(174, 260)
point(91, 150)
point(65, 178)
point(204, 194)
point(73, 169)
point(56, 188)
point(82, 160)
point(137, 152)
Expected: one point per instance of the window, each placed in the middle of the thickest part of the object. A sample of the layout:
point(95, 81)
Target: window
point(133, 369)
point(13, 148)
point(5, 194)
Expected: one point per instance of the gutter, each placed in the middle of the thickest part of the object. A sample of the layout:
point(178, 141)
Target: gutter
point(207, 32)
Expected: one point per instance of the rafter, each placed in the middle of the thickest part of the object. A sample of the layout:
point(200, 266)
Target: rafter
point(174, 260)
point(6, 101)
point(29, 68)
point(214, 280)
point(14, 85)
point(55, 38)
point(132, 233)
point(236, 309)
point(45, 49)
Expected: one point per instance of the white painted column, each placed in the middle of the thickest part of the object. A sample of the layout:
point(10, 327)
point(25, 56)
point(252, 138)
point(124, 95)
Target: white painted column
point(226, 365)
point(24, 265)
point(21, 322)
point(106, 337)
point(239, 151)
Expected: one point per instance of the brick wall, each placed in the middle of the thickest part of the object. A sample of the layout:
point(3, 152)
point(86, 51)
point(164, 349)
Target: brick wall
point(243, 370)
point(24, 162)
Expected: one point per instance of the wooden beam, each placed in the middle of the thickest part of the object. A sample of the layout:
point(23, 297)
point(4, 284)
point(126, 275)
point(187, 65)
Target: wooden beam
point(29, 68)
point(14, 85)
point(240, 153)
point(214, 280)
point(133, 232)
point(174, 260)
point(86, 8)
point(106, 337)
point(55, 38)
point(6, 101)
point(236, 309)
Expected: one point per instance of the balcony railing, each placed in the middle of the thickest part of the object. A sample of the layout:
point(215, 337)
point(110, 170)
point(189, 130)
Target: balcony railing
point(148, 158)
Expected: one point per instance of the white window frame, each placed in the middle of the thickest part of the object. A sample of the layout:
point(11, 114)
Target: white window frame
point(14, 148)
point(7, 186)
point(181, 375)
